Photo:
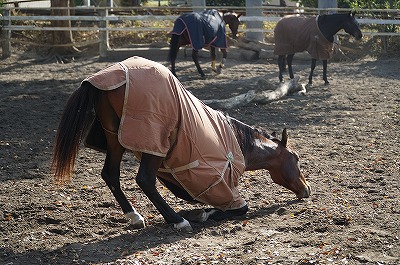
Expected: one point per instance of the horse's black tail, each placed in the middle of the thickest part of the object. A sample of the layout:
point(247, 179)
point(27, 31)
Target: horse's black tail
point(73, 126)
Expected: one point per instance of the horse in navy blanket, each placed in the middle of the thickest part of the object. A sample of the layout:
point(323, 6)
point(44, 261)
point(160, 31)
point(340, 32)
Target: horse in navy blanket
point(202, 29)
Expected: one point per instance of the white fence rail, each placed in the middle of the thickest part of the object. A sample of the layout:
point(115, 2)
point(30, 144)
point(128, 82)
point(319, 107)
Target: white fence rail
point(103, 16)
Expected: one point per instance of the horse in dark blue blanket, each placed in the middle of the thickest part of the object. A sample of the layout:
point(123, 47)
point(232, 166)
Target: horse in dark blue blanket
point(202, 29)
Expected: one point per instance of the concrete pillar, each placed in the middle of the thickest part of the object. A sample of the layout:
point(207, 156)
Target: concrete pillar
point(198, 5)
point(254, 8)
point(6, 36)
point(327, 4)
point(103, 34)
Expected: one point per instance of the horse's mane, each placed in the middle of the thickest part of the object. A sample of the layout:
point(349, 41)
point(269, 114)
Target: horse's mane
point(246, 134)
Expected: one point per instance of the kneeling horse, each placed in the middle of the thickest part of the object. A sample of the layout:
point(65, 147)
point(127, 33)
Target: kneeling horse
point(196, 152)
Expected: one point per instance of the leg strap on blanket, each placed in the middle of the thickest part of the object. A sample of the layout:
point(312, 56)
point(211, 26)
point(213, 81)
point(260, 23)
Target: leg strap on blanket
point(109, 131)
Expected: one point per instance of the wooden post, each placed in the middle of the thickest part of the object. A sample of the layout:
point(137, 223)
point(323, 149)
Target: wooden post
point(103, 34)
point(6, 36)
point(254, 8)
point(198, 5)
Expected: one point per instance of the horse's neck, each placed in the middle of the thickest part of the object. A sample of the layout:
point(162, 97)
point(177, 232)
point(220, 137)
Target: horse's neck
point(227, 18)
point(256, 148)
point(329, 25)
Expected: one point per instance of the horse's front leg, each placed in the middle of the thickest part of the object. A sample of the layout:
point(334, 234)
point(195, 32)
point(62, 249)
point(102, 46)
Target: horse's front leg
point(324, 71)
point(196, 62)
point(313, 64)
point(222, 63)
point(146, 179)
point(281, 63)
point(213, 59)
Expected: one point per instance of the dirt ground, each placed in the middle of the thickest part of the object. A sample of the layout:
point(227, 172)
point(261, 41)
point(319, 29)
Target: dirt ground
point(347, 135)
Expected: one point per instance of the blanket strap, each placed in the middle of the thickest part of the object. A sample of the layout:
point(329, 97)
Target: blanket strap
point(178, 169)
point(230, 158)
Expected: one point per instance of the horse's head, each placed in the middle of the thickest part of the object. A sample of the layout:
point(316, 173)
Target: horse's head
point(351, 26)
point(232, 20)
point(284, 169)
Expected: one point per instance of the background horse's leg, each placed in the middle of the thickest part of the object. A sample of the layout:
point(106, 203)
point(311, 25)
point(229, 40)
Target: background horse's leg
point(222, 64)
point(313, 64)
point(325, 67)
point(196, 62)
point(111, 169)
point(213, 59)
point(289, 63)
point(146, 179)
point(281, 63)
point(173, 51)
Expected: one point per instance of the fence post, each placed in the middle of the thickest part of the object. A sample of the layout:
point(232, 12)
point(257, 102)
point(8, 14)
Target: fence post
point(254, 8)
point(6, 36)
point(198, 5)
point(327, 4)
point(103, 34)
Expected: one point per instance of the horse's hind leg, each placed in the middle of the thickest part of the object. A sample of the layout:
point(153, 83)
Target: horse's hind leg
point(313, 64)
point(111, 169)
point(324, 71)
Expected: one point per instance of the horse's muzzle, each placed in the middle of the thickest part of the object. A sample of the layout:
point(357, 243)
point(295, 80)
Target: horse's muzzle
point(305, 193)
point(358, 36)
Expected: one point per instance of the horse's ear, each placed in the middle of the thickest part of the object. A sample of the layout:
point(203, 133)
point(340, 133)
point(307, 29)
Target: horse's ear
point(238, 16)
point(284, 137)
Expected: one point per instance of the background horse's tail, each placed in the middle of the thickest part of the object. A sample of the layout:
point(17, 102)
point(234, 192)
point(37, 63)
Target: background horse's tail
point(74, 123)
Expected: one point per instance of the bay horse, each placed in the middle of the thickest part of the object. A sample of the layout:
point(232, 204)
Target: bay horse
point(196, 152)
point(200, 29)
point(315, 34)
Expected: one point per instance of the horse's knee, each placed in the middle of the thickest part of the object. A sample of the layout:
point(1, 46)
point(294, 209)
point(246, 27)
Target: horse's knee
point(221, 215)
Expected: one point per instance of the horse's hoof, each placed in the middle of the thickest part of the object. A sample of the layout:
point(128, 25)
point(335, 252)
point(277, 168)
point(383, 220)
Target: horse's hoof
point(309, 85)
point(219, 70)
point(184, 226)
point(135, 220)
point(326, 83)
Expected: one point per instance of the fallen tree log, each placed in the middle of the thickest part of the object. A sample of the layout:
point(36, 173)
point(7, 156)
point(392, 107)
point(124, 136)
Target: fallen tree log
point(260, 96)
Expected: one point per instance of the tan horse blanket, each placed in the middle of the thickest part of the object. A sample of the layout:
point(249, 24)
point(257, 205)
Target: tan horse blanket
point(162, 118)
point(296, 34)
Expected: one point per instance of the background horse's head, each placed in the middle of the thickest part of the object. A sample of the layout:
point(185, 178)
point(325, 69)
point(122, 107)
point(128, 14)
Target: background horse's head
point(285, 169)
point(351, 26)
point(232, 20)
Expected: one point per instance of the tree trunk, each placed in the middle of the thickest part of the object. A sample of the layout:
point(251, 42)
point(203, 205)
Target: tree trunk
point(63, 49)
point(259, 96)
